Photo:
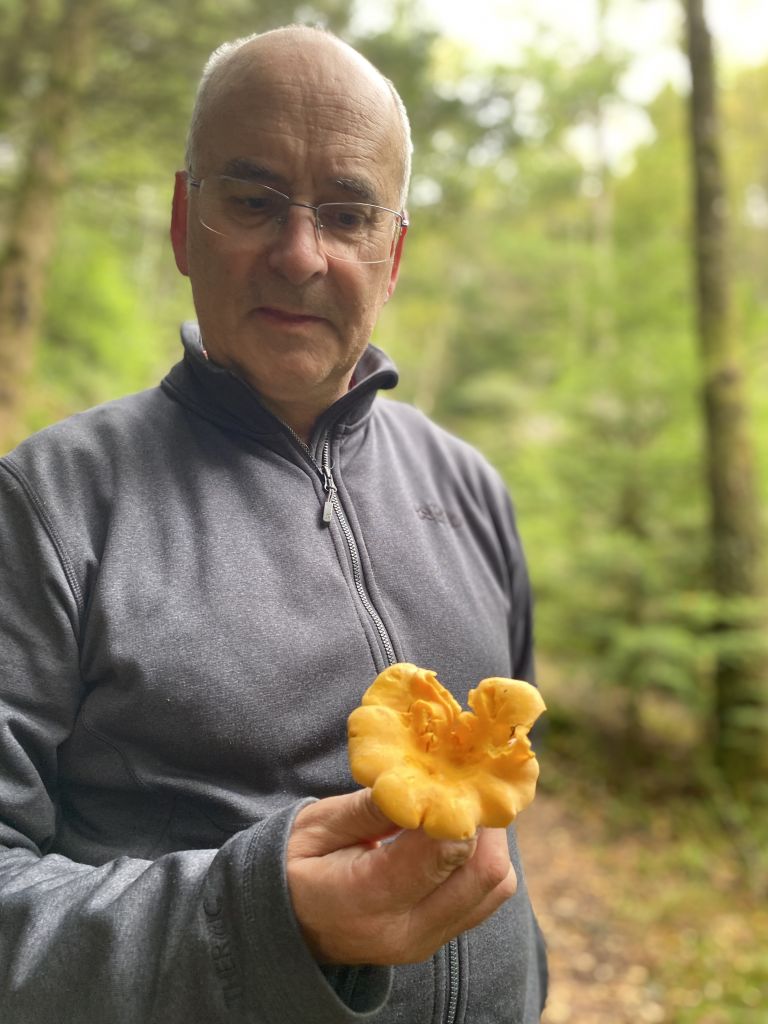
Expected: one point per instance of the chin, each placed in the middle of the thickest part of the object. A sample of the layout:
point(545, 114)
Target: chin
point(292, 378)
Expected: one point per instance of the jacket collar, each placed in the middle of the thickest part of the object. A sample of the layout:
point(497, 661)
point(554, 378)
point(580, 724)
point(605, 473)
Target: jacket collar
point(222, 396)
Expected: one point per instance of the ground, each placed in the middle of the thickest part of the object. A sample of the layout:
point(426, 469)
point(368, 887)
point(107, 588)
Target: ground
point(599, 974)
point(644, 925)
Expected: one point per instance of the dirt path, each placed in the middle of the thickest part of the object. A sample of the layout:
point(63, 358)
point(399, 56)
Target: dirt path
point(599, 966)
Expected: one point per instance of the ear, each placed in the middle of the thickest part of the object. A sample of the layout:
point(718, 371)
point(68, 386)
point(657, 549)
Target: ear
point(395, 271)
point(179, 222)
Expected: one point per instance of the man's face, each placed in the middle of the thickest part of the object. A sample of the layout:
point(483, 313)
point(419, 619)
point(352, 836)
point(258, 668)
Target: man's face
point(288, 318)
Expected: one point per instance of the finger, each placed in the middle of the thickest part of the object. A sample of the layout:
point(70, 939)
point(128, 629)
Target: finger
point(338, 822)
point(454, 918)
point(471, 893)
point(495, 899)
point(405, 871)
point(476, 890)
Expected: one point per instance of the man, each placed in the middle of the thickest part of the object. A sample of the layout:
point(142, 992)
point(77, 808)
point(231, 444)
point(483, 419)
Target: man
point(200, 581)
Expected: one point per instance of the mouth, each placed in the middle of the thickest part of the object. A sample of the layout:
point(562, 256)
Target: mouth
point(287, 317)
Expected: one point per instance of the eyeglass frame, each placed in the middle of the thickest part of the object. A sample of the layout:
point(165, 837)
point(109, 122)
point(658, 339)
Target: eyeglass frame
point(402, 215)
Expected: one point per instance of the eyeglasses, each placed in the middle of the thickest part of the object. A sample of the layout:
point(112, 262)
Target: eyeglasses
point(247, 213)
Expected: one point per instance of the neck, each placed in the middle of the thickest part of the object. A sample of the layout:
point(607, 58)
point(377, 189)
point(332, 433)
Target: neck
point(301, 424)
point(301, 414)
point(301, 417)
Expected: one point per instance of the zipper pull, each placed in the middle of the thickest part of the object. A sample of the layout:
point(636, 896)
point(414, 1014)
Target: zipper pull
point(330, 483)
point(328, 508)
point(330, 487)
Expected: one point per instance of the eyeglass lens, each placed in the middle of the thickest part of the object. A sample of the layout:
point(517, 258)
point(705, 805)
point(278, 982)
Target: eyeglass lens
point(243, 210)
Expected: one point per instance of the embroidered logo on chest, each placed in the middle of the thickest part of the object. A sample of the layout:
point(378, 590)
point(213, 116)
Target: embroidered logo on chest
point(435, 513)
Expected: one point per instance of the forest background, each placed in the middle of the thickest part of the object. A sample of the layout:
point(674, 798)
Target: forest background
point(547, 312)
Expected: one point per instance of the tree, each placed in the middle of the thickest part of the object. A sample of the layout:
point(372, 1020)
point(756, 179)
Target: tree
point(43, 176)
point(741, 672)
point(88, 90)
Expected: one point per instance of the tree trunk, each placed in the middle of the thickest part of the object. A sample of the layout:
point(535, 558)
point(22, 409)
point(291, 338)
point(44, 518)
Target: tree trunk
point(741, 674)
point(20, 43)
point(31, 235)
point(602, 210)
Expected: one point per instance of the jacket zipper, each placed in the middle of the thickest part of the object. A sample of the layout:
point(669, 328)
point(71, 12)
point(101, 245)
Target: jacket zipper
point(453, 981)
point(333, 504)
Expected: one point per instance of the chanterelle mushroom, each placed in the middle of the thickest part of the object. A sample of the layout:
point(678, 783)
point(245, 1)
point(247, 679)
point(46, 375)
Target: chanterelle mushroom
point(431, 765)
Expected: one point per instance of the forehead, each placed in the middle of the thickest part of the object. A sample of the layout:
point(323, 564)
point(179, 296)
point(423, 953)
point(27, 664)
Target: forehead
point(306, 117)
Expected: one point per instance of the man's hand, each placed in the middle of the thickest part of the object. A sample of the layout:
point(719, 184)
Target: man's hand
point(361, 901)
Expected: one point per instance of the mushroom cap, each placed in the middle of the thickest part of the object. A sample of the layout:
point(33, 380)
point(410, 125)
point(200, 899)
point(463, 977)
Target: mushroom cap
point(432, 765)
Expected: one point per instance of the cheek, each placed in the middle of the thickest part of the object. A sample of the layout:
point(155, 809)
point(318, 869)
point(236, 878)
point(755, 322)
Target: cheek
point(213, 265)
point(216, 277)
point(365, 293)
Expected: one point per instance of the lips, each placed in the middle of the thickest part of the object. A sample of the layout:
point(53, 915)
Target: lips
point(286, 316)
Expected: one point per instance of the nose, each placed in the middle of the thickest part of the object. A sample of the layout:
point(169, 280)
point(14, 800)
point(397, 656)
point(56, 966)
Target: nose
point(296, 252)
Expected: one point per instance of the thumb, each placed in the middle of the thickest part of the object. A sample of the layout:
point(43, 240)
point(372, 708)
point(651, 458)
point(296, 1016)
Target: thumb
point(414, 865)
point(338, 822)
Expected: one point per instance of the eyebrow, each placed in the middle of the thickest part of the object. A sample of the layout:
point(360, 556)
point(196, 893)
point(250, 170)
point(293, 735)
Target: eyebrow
point(249, 170)
point(241, 167)
point(360, 188)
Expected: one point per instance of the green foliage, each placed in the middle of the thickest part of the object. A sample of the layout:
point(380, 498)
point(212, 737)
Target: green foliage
point(101, 340)
point(544, 310)
point(569, 357)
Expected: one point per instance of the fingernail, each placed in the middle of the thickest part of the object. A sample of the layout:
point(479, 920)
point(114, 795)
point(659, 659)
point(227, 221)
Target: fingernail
point(454, 853)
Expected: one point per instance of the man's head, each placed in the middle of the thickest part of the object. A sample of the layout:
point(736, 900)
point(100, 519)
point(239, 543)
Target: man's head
point(301, 112)
point(223, 61)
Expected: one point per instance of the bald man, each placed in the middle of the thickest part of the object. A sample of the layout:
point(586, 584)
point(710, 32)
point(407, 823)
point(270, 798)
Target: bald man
point(197, 584)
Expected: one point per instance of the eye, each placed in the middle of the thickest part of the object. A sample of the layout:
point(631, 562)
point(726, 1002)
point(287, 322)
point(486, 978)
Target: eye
point(255, 203)
point(250, 201)
point(345, 217)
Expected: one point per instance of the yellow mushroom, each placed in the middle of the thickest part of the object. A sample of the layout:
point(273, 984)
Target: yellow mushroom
point(431, 765)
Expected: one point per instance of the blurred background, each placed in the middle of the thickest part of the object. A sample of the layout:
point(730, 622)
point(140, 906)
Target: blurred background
point(585, 298)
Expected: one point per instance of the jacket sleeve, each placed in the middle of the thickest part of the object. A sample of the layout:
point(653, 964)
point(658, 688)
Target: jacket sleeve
point(194, 937)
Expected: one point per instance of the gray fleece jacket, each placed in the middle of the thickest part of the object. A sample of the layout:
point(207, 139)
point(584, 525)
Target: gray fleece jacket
point(182, 637)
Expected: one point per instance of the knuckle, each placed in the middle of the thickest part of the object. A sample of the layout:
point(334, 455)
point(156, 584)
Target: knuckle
point(510, 883)
point(496, 870)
